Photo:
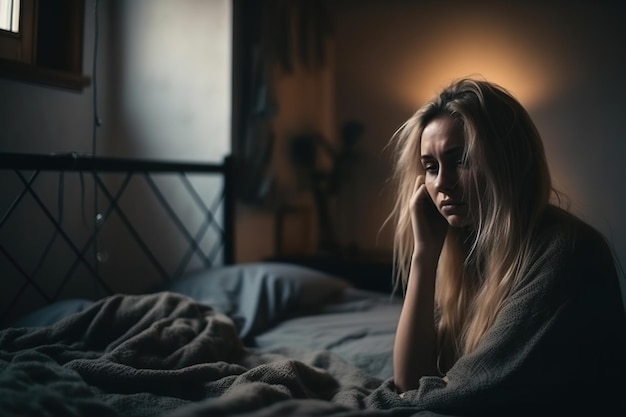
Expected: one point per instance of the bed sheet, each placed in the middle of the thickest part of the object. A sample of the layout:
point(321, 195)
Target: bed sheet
point(360, 330)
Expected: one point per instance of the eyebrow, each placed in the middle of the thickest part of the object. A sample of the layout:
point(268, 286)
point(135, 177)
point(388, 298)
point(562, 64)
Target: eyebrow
point(454, 151)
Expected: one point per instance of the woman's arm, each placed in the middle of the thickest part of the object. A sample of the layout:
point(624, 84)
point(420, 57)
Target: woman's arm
point(414, 352)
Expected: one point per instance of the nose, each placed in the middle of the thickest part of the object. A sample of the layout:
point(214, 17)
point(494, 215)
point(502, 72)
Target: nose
point(447, 179)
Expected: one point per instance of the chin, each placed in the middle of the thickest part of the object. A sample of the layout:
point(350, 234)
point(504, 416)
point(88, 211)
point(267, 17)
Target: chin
point(457, 221)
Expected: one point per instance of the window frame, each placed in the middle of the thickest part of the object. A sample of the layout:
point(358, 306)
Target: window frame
point(21, 62)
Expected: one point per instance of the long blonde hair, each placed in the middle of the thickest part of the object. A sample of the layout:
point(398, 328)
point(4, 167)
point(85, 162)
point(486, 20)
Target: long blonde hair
point(508, 173)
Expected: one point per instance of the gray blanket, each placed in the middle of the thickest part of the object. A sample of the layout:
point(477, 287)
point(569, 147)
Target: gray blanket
point(125, 355)
point(156, 354)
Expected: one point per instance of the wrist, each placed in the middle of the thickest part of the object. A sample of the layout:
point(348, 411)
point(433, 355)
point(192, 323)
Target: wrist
point(425, 257)
point(424, 264)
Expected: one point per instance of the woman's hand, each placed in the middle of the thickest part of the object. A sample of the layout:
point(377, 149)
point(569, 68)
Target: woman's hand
point(429, 226)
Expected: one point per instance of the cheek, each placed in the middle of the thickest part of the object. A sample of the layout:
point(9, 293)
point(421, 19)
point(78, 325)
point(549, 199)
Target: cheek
point(465, 188)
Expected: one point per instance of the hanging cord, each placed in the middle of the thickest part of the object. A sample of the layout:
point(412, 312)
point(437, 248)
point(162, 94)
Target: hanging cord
point(97, 122)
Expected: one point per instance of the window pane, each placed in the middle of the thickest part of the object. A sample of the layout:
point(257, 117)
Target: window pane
point(10, 15)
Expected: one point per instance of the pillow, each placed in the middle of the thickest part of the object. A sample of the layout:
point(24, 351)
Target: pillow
point(52, 313)
point(257, 295)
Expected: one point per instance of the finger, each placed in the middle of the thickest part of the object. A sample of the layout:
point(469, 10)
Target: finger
point(419, 181)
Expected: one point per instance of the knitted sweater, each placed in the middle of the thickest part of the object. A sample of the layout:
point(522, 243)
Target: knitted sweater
point(557, 347)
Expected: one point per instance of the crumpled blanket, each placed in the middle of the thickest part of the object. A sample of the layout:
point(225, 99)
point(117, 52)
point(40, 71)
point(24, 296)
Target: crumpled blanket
point(125, 355)
point(162, 353)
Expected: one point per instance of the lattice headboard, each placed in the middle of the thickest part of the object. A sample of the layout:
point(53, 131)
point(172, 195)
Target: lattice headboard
point(147, 222)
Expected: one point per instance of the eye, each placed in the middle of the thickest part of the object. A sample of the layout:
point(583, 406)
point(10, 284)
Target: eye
point(431, 167)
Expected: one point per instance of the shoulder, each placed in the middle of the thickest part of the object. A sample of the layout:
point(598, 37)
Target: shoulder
point(566, 253)
point(575, 254)
point(563, 232)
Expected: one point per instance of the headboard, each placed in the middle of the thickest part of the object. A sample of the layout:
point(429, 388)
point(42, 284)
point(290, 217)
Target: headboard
point(77, 226)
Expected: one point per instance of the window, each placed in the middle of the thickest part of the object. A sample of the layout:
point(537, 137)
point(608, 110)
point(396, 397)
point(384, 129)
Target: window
point(10, 15)
point(17, 30)
point(42, 40)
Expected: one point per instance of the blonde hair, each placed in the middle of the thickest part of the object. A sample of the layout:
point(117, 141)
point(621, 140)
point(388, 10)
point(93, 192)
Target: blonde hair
point(508, 173)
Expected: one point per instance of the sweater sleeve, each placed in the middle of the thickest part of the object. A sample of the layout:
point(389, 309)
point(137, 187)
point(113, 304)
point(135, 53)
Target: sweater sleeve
point(556, 345)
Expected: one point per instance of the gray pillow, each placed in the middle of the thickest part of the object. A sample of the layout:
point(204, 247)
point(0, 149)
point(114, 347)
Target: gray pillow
point(257, 295)
point(52, 313)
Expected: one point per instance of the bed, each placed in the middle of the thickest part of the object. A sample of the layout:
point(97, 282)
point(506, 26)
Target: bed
point(141, 311)
point(192, 335)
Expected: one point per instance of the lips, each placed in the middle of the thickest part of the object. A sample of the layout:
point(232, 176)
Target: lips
point(451, 203)
point(452, 207)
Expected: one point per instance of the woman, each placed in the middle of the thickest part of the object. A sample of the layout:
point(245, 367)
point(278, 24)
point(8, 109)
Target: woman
point(510, 302)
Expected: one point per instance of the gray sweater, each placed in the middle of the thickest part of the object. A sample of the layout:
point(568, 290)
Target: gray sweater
point(558, 347)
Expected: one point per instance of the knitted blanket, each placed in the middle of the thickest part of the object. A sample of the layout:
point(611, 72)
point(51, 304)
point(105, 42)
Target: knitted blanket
point(140, 355)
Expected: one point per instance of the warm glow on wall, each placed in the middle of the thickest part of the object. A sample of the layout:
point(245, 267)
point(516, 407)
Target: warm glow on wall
point(500, 65)
point(533, 64)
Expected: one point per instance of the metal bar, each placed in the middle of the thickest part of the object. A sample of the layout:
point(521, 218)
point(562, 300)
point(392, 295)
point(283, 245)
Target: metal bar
point(45, 210)
point(89, 241)
point(26, 275)
point(228, 236)
point(209, 220)
point(200, 202)
point(133, 231)
point(220, 199)
point(175, 218)
point(84, 162)
point(15, 202)
point(46, 251)
point(194, 247)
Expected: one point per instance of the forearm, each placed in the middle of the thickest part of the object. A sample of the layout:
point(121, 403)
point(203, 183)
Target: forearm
point(414, 353)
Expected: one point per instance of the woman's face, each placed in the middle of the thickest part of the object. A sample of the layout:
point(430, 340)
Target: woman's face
point(442, 157)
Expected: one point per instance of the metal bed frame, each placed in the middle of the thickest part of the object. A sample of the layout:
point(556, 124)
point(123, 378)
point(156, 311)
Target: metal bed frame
point(28, 169)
